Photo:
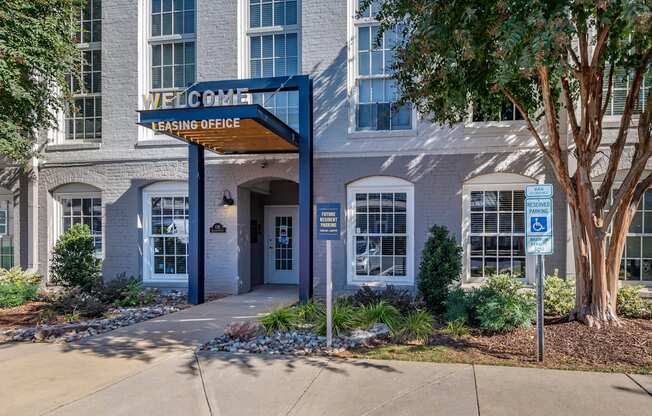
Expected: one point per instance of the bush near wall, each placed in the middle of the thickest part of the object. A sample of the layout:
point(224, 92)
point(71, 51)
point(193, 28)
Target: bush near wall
point(17, 287)
point(74, 264)
point(441, 264)
point(499, 305)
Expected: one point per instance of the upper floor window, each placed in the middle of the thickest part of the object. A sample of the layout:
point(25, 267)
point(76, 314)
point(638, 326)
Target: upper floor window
point(90, 22)
point(83, 120)
point(376, 91)
point(265, 13)
point(4, 220)
point(273, 51)
point(621, 84)
point(172, 44)
point(507, 112)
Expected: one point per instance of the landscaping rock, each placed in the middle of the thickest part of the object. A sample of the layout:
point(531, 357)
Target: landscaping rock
point(376, 332)
point(116, 318)
point(288, 343)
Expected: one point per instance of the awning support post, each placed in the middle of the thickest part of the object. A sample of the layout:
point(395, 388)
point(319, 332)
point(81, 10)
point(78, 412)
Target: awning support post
point(196, 221)
point(305, 190)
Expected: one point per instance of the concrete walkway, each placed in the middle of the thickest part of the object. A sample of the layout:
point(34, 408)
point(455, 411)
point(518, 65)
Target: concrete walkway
point(150, 369)
point(36, 378)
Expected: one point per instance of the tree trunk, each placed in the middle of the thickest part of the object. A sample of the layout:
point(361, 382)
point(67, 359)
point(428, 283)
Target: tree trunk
point(595, 291)
point(583, 283)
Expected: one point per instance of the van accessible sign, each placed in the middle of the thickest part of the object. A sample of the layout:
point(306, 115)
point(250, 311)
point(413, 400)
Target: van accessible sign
point(538, 220)
point(328, 221)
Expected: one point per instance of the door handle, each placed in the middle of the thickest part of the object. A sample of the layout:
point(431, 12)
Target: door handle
point(270, 243)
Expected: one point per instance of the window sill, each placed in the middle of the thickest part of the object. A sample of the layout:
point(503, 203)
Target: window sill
point(163, 142)
point(72, 145)
point(379, 283)
point(382, 134)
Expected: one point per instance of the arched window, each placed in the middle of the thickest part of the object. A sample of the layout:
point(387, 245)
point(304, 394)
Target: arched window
point(165, 232)
point(380, 224)
point(493, 226)
point(78, 203)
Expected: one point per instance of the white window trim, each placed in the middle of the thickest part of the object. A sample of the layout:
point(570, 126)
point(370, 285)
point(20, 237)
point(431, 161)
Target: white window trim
point(160, 189)
point(145, 42)
point(57, 212)
point(352, 71)
point(57, 135)
point(244, 34)
point(380, 184)
point(492, 182)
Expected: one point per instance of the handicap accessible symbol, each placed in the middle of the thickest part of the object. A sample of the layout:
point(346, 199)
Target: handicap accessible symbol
point(538, 224)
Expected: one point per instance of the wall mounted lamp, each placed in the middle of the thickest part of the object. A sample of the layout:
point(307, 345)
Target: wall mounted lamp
point(227, 200)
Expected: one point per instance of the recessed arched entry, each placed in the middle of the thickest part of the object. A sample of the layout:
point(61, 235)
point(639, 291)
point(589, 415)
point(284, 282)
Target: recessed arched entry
point(268, 238)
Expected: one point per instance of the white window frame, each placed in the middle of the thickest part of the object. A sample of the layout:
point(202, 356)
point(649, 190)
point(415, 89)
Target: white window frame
point(380, 184)
point(490, 182)
point(57, 222)
point(245, 33)
point(352, 80)
point(158, 190)
point(58, 136)
point(145, 43)
point(640, 236)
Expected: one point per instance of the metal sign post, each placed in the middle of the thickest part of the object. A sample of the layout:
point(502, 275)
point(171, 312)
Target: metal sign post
point(328, 228)
point(539, 242)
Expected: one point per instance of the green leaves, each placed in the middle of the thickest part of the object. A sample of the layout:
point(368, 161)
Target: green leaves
point(457, 53)
point(36, 53)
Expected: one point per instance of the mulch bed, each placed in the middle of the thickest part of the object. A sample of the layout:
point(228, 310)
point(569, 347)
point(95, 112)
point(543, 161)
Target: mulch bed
point(569, 345)
point(29, 314)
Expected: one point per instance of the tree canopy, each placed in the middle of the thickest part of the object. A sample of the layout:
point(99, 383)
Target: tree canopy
point(37, 51)
point(547, 59)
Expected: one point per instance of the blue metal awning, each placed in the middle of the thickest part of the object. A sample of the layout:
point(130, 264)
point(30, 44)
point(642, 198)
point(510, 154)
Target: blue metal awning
point(234, 129)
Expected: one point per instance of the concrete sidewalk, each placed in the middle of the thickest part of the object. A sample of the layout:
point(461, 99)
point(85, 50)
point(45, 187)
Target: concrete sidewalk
point(151, 369)
point(35, 378)
point(231, 384)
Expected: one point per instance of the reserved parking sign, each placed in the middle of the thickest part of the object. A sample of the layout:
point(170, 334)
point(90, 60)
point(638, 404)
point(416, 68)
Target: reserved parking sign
point(538, 220)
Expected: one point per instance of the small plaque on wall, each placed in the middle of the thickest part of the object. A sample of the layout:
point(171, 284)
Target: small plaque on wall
point(217, 228)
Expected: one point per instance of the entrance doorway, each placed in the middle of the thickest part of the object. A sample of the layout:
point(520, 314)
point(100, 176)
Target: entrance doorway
point(281, 245)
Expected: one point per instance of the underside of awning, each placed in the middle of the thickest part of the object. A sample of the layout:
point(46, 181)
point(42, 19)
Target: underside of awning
point(238, 129)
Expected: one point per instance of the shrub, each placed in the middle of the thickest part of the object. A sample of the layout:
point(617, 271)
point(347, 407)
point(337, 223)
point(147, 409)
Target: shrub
point(380, 312)
point(417, 325)
point(77, 302)
point(401, 299)
point(343, 319)
point(308, 312)
point(458, 305)
point(440, 267)
point(135, 295)
point(456, 329)
point(558, 296)
point(114, 289)
point(500, 306)
point(630, 303)
point(73, 260)
point(14, 294)
point(280, 319)
point(18, 275)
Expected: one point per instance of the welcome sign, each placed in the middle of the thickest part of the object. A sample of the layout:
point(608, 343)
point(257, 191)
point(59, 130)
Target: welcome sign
point(195, 99)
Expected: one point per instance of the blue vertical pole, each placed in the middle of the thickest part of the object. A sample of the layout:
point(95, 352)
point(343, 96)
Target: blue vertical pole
point(196, 224)
point(305, 190)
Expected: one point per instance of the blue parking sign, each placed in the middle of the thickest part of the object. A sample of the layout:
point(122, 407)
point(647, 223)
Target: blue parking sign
point(538, 224)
